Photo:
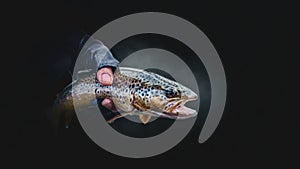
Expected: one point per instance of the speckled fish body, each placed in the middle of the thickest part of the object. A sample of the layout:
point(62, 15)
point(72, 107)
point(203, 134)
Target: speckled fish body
point(134, 92)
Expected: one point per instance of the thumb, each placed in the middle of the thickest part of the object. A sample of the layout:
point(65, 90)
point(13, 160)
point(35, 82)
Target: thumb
point(105, 76)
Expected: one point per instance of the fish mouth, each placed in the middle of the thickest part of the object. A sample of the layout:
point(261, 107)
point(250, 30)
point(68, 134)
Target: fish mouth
point(179, 110)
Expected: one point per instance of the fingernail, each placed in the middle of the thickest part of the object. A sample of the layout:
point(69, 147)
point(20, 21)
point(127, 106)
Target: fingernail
point(105, 102)
point(105, 77)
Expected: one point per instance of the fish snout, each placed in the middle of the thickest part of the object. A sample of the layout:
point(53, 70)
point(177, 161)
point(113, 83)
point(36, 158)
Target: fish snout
point(189, 96)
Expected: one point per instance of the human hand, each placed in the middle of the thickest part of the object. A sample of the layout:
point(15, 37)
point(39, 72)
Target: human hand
point(105, 77)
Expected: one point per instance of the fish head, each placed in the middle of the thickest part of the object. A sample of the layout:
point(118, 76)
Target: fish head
point(170, 102)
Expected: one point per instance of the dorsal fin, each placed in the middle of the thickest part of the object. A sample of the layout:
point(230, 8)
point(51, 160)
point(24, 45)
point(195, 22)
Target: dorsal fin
point(83, 73)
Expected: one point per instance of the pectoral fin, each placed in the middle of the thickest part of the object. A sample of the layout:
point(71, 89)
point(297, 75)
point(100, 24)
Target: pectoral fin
point(139, 104)
point(145, 118)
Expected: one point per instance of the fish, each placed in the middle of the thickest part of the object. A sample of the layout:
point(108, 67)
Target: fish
point(133, 92)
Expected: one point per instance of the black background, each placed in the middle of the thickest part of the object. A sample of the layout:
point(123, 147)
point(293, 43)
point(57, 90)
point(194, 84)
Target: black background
point(254, 41)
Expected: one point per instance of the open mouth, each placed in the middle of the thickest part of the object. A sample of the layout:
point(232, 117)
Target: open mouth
point(177, 110)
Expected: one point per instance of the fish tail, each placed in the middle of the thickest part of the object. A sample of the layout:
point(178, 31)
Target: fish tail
point(60, 113)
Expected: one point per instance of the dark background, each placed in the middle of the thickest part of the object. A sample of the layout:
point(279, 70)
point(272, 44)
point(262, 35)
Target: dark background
point(255, 41)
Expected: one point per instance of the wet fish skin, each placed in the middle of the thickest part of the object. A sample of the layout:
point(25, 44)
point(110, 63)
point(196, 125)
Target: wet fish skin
point(134, 92)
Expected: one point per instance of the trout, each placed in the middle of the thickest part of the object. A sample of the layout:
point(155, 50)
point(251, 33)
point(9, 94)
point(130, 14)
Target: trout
point(134, 92)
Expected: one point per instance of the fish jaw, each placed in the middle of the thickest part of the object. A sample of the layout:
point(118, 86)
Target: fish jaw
point(176, 109)
point(182, 112)
point(179, 111)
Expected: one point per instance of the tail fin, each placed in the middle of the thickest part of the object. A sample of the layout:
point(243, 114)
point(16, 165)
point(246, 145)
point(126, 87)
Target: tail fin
point(60, 115)
point(62, 110)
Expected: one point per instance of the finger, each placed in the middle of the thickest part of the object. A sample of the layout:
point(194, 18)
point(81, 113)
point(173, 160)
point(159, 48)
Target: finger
point(109, 104)
point(105, 76)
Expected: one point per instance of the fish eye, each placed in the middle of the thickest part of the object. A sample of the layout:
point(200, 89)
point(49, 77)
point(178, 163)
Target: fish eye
point(172, 93)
